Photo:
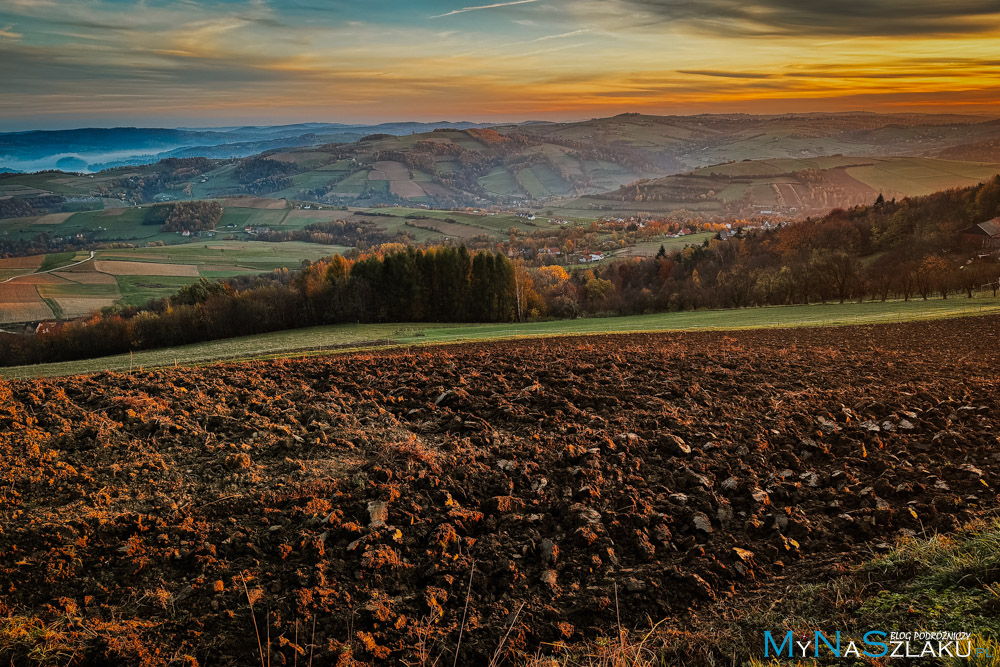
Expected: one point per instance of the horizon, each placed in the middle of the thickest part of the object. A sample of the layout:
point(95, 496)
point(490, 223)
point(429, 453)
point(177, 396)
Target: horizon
point(257, 62)
point(986, 117)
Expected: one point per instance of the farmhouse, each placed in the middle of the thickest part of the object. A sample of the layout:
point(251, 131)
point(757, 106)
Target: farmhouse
point(987, 234)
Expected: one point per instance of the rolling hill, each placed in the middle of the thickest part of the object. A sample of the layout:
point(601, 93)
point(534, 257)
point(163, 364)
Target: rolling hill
point(677, 144)
point(789, 186)
point(804, 164)
point(445, 167)
point(456, 164)
point(95, 149)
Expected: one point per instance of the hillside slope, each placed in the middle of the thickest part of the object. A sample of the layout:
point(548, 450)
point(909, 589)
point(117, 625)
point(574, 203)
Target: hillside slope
point(535, 162)
point(791, 186)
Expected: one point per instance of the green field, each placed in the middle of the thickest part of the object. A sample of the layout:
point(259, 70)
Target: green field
point(500, 181)
point(353, 184)
point(56, 260)
point(242, 256)
point(532, 184)
point(139, 290)
point(493, 224)
point(352, 336)
point(921, 176)
point(650, 248)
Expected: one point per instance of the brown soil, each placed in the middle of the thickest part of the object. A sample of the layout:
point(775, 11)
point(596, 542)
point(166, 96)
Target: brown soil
point(358, 491)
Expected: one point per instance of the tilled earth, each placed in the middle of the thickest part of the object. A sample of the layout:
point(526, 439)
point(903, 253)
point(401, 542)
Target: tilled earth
point(352, 499)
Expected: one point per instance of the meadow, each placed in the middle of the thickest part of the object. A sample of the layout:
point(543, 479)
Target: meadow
point(345, 337)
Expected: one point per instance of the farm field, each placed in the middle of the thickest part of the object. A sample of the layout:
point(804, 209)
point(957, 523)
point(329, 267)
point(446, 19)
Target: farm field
point(545, 490)
point(133, 276)
point(478, 223)
point(126, 224)
point(346, 337)
point(21, 302)
point(650, 248)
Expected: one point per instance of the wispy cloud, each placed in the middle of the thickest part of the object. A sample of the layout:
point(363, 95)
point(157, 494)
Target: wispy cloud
point(795, 18)
point(725, 75)
point(7, 32)
point(479, 7)
point(547, 38)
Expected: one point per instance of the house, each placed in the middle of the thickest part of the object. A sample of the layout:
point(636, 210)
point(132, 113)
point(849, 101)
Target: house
point(47, 327)
point(985, 234)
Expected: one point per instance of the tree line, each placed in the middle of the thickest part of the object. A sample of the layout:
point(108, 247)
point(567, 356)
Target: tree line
point(397, 283)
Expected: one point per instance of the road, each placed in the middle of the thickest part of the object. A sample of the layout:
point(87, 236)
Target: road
point(60, 268)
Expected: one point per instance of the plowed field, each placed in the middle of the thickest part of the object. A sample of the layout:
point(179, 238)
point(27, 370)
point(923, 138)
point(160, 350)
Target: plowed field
point(360, 492)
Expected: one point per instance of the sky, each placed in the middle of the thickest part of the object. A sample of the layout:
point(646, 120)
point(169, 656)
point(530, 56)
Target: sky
point(73, 63)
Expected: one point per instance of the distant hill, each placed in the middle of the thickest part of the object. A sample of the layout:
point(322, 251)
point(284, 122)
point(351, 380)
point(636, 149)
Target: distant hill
point(579, 166)
point(99, 148)
point(790, 187)
point(677, 144)
point(983, 151)
point(445, 167)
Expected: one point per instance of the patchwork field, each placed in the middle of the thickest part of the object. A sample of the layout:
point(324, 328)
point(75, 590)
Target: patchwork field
point(116, 268)
point(16, 266)
point(521, 495)
point(73, 286)
point(20, 302)
point(21, 263)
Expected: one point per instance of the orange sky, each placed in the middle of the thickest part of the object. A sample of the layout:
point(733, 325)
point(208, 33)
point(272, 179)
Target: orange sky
point(120, 61)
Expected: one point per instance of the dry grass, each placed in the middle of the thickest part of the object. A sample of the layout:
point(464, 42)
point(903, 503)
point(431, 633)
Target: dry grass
point(87, 277)
point(39, 279)
point(53, 218)
point(32, 262)
point(79, 306)
point(255, 202)
point(30, 641)
point(16, 293)
point(13, 313)
point(406, 188)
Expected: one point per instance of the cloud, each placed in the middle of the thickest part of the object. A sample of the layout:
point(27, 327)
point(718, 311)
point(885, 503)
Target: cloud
point(479, 7)
point(725, 75)
point(547, 38)
point(805, 18)
point(7, 32)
